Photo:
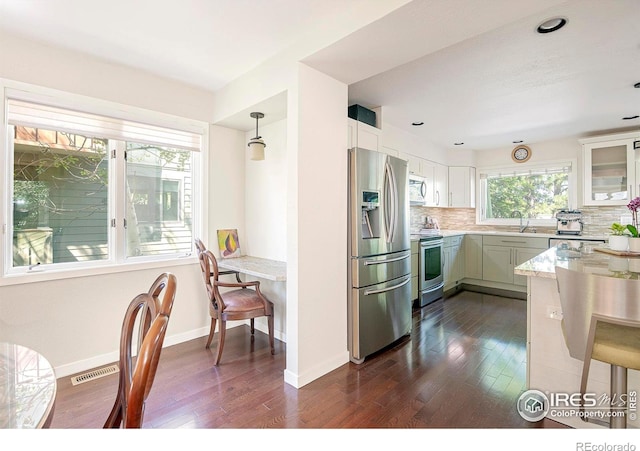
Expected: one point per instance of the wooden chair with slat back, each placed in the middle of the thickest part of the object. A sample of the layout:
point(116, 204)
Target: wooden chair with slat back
point(135, 379)
point(244, 302)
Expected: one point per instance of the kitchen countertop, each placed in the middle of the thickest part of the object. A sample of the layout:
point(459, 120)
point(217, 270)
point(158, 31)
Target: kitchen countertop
point(585, 260)
point(255, 266)
point(447, 232)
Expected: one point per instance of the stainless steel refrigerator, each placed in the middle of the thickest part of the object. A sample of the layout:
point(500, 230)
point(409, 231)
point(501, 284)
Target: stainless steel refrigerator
point(379, 310)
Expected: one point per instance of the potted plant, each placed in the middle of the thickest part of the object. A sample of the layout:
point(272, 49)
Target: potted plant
point(619, 240)
point(634, 241)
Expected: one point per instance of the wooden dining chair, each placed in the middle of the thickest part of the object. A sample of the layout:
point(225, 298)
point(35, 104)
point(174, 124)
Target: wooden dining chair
point(245, 302)
point(151, 312)
point(200, 247)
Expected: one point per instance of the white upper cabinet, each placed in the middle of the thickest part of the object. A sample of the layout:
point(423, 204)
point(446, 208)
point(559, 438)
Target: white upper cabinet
point(440, 185)
point(610, 176)
point(365, 136)
point(436, 176)
point(462, 186)
point(414, 163)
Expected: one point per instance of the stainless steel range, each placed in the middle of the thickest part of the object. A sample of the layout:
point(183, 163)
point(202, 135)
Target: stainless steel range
point(430, 269)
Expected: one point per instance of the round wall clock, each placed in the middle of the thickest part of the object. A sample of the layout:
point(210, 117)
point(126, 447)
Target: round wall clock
point(520, 154)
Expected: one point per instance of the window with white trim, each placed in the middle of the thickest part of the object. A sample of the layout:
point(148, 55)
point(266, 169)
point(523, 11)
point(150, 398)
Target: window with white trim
point(534, 194)
point(90, 189)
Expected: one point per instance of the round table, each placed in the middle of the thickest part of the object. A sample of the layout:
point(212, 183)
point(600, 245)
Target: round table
point(27, 388)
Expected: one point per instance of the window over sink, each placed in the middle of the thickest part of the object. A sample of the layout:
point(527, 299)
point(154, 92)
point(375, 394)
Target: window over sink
point(532, 196)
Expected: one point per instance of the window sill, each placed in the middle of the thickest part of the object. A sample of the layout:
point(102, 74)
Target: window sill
point(58, 274)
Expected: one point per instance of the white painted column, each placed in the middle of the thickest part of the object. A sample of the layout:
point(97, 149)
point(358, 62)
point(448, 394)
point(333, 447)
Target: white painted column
point(317, 227)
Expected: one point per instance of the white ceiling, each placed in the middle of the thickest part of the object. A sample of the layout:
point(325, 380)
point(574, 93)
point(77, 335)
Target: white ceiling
point(511, 83)
point(207, 43)
point(472, 70)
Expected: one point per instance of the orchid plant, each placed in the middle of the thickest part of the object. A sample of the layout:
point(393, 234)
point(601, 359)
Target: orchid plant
point(633, 207)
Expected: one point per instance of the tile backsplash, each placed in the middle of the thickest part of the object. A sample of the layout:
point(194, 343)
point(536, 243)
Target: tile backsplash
point(596, 219)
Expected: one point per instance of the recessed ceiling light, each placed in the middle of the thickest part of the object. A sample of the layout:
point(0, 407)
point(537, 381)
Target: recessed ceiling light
point(417, 124)
point(637, 85)
point(551, 25)
point(630, 117)
point(458, 144)
point(517, 142)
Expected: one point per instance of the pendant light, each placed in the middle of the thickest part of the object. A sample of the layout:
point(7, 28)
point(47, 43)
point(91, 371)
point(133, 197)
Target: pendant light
point(256, 144)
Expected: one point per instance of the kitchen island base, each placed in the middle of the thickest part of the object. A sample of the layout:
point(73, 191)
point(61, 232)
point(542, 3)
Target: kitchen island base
point(553, 371)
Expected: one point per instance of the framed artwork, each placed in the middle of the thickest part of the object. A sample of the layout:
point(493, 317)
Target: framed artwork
point(228, 243)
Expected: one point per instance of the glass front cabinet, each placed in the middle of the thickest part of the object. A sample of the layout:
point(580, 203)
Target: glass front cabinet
point(611, 169)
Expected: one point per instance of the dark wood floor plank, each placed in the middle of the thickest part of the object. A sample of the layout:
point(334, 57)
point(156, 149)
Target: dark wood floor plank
point(463, 366)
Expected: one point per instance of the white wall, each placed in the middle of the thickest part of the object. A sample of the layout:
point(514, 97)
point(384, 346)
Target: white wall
point(317, 229)
point(51, 67)
point(316, 208)
point(403, 141)
point(76, 322)
point(266, 194)
point(231, 177)
point(568, 149)
point(226, 174)
point(541, 152)
point(81, 314)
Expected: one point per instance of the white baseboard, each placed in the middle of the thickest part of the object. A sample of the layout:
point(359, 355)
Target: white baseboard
point(111, 357)
point(300, 380)
point(170, 340)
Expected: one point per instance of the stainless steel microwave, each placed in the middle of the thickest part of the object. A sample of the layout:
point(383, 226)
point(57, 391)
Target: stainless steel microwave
point(417, 190)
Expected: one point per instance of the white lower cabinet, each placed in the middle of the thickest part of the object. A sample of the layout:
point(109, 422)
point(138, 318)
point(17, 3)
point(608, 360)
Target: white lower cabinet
point(497, 264)
point(453, 261)
point(488, 260)
point(520, 256)
point(501, 254)
point(473, 256)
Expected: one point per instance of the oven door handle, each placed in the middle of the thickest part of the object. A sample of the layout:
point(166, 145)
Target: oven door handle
point(380, 262)
point(433, 288)
point(431, 244)
point(384, 290)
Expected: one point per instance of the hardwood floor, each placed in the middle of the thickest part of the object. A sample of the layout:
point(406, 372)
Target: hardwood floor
point(464, 366)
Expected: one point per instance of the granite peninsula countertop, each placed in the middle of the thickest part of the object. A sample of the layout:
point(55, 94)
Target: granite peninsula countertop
point(255, 266)
point(587, 259)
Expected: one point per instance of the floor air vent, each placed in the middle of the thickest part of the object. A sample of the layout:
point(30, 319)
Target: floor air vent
point(95, 374)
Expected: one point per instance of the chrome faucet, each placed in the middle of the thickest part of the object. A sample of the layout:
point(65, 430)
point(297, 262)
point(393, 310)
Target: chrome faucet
point(518, 214)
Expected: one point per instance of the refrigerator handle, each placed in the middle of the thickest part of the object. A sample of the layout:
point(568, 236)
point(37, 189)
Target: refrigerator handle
point(387, 201)
point(382, 262)
point(384, 290)
point(392, 216)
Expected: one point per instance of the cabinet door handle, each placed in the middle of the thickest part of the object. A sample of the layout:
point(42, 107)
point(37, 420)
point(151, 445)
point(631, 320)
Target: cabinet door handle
point(511, 256)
